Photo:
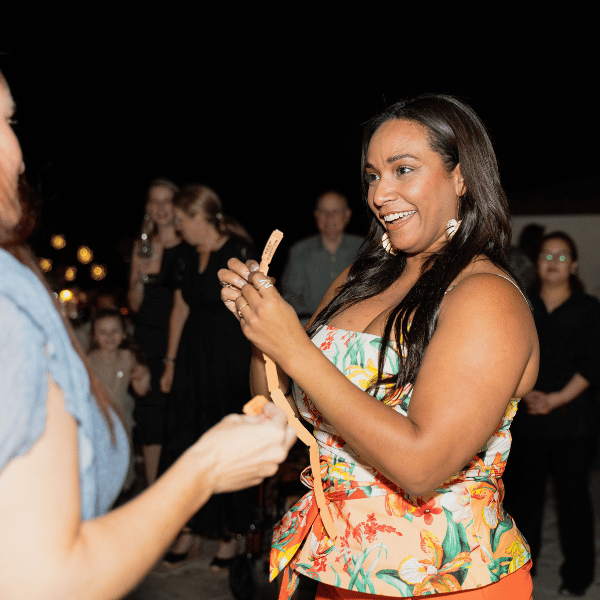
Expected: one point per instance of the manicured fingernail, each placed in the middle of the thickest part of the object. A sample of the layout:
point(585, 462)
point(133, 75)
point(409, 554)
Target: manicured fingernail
point(253, 267)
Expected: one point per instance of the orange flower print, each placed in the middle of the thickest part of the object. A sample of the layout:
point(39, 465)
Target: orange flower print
point(427, 510)
point(329, 339)
point(396, 505)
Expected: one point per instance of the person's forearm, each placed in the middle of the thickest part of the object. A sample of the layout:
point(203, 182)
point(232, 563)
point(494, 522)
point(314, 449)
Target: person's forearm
point(377, 433)
point(258, 375)
point(575, 387)
point(135, 295)
point(114, 552)
point(258, 379)
point(101, 558)
point(135, 291)
point(179, 315)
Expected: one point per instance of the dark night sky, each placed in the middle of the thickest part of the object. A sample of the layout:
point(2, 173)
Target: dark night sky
point(270, 129)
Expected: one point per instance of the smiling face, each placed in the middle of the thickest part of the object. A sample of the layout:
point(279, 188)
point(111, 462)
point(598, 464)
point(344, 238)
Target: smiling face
point(109, 333)
point(555, 262)
point(11, 161)
point(160, 205)
point(409, 190)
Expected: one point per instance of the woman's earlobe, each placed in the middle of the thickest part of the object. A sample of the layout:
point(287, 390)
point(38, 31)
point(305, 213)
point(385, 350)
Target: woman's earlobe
point(459, 182)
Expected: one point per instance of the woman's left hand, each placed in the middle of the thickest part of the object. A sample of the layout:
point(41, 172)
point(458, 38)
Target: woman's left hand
point(140, 379)
point(267, 320)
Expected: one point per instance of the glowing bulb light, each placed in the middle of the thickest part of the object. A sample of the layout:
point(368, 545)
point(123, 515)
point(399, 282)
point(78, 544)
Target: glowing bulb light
point(71, 273)
point(98, 272)
point(84, 255)
point(45, 265)
point(58, 241)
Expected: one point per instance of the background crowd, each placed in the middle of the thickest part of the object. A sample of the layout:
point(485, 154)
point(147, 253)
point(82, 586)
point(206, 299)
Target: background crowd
point(158, 347)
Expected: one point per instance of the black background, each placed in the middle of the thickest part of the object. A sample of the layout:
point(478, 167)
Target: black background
point(271, 121)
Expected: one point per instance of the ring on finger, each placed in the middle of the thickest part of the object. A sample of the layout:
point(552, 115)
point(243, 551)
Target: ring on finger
point(240, 309)
point(266, 282)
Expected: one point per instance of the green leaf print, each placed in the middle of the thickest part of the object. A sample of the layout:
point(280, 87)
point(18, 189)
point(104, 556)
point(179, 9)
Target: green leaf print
point(365, 581)
point(496, 534)
point(499, 567)
point(390, 576)
point(456, 540)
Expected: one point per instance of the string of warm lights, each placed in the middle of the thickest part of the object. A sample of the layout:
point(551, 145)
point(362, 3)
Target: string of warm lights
point(85, 256)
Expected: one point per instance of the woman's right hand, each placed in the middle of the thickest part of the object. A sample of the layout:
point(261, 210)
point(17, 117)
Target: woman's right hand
point(166, 379)
point(242, 450)
point(233, 279)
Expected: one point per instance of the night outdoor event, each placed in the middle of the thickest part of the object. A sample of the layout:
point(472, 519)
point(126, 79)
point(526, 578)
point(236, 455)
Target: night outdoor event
point(270, 133)
point(152, 160)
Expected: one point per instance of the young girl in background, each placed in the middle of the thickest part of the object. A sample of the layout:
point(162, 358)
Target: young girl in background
point(117, 366)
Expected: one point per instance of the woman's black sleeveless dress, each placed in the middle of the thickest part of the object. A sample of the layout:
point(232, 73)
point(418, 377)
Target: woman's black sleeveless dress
point(151, 333)
point(211, 380)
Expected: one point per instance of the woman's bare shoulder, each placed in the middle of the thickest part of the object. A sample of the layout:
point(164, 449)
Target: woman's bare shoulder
point(485, 291)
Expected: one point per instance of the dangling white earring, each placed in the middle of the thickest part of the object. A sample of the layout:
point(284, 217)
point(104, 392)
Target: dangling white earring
point(387, 244)
point(451, 228)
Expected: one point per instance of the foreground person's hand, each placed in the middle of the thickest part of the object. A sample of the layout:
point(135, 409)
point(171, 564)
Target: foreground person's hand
point(241, 450)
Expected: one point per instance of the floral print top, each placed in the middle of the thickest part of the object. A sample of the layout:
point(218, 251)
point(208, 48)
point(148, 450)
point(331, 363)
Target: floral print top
point(454, 538)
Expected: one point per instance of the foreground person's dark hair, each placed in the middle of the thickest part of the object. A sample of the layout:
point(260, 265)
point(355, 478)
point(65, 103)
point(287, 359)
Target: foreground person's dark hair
point(458, 136)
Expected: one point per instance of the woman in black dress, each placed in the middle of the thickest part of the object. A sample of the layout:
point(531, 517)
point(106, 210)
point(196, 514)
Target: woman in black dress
point(207, 360)
point(556, 437)
point(151, 283)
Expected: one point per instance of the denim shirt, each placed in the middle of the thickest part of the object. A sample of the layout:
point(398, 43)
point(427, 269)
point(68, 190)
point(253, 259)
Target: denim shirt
point(33, 343)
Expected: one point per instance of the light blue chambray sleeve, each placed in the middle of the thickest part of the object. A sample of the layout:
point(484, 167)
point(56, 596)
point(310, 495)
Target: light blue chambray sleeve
point(23, 384)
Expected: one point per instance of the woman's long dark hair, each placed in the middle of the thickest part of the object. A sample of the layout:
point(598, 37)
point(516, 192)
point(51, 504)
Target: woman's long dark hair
point(456, 133)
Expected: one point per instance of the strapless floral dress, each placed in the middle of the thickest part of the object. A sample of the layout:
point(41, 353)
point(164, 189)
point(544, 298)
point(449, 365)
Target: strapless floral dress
point(454, 538)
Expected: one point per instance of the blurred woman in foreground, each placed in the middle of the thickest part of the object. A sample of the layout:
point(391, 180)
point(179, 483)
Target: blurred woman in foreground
point(63, 449)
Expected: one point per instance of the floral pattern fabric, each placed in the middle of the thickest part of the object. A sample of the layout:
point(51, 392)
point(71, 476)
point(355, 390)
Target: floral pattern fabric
point(454, 538)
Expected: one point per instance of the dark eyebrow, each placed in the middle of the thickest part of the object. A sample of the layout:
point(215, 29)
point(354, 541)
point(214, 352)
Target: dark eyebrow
point(393, 159)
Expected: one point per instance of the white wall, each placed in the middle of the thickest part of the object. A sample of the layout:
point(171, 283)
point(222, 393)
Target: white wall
point(584, 229)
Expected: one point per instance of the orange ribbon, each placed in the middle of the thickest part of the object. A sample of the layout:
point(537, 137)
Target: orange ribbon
point(282, 402)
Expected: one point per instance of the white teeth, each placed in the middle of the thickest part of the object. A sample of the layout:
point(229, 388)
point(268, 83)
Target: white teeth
point(400, 215)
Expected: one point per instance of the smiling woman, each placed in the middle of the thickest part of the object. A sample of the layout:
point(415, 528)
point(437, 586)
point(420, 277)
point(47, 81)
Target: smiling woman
point(409, 373)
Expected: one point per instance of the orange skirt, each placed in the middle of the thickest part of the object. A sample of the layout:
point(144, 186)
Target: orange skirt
point(516, 586)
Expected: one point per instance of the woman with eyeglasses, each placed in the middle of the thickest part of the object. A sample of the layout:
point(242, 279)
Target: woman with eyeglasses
point(555, 437)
